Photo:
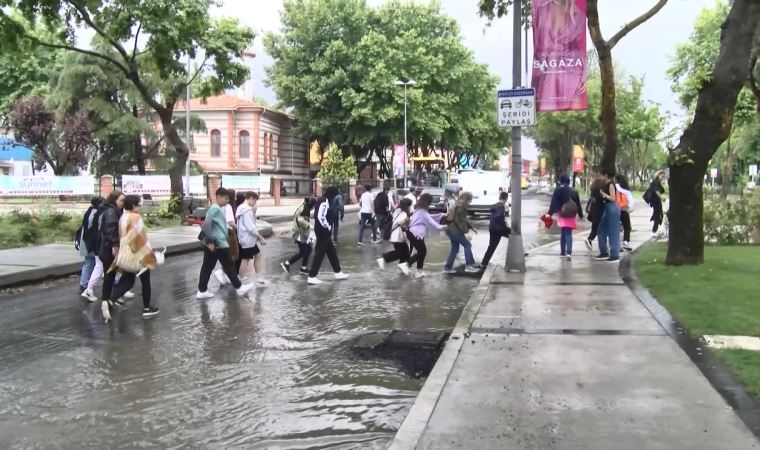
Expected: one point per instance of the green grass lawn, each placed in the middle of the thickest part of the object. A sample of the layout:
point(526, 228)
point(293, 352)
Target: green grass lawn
point(719, 297)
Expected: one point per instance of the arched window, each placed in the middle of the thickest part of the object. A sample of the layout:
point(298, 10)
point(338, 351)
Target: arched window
point(245, 144)
point(271, 147)
point(216, 143)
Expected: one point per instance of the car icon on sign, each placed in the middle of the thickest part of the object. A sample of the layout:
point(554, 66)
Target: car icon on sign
point(506, 104)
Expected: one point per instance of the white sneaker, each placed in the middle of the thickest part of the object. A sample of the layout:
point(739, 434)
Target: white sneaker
point(201, 295)
point(404, 268)
point(106, 310)
point(129, 294)
point(314, 281)
point(89, 295)
point(472, 269)
point(381, 262)
point(242, 290)
point(221, 277)
point(420, 274)
point(341, 276)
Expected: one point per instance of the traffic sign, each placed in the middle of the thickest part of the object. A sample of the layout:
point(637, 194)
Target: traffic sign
point(516, 107)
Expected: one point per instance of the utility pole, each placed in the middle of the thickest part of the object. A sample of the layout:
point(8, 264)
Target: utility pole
point(187, 129)
point(406, 83)
point(516, 251)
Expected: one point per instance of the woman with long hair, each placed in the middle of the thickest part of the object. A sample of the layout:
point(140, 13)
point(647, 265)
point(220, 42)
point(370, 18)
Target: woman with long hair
point(420, 224)
point(625, 202)
point(655, 195)
point(108, 247)
point(459, 227)
point(594, 210)
point(301, 236)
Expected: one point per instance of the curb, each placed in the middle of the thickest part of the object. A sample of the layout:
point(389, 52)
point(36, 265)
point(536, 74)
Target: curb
point(419, 415)
point(720, 376)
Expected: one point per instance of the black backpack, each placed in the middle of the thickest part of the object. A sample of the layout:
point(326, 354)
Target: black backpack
point(381, 204)
point(88, 233)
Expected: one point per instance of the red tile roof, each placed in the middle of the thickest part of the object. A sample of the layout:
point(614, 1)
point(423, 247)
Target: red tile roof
point(219, 102)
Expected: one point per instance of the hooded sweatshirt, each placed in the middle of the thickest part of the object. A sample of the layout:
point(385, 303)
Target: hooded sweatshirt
point(247, 230)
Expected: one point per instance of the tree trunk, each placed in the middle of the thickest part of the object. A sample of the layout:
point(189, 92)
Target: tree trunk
point(609, 113)
point(139, 155)
point(709, 129)
point(181, 154)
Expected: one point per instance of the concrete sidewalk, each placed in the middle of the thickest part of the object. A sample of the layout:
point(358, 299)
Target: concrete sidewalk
point(30, 264)
point(566, 357)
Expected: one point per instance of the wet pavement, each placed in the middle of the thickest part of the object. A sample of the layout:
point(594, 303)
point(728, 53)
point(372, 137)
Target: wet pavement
point(272, 370)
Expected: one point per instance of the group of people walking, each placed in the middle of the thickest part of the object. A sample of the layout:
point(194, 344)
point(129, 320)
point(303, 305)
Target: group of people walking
point(609, 208)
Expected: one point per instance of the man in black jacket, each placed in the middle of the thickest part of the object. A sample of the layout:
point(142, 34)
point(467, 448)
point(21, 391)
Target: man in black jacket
point(109, 239)
point(323, 216)
point(497, 227)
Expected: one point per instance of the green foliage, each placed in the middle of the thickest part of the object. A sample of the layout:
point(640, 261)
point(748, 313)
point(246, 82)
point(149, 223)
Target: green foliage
point(336, 169)
point(735, 222)
point(336, 66)
point(19, 228)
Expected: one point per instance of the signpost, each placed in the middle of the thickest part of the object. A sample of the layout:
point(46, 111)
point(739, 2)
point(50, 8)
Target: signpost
point(517, 107)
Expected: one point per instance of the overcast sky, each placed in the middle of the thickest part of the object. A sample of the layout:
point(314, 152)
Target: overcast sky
point(645, 51)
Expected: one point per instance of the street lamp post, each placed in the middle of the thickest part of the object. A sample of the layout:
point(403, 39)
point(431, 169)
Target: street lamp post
point(406, 83)
point(187, 127)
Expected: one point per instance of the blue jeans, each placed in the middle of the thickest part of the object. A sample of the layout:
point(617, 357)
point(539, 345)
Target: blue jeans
point(566, 241)
point(87, 268)
point(609, 228)
point(456, 241)
point(364, 220)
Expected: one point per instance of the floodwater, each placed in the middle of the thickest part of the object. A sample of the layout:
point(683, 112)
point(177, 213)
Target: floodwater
point(271, 371)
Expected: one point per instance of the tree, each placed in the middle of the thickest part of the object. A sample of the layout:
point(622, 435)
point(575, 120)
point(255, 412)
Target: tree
point(25, 71)
point(62, 144)
point(337, 170)
point(499, 8)
point(711, 125)
point(336, 63)
point(148, 41)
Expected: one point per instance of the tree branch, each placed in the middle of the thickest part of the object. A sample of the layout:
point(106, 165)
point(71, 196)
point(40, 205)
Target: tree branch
point(88, 20)
point(134, 49)
point(71, 48)
point(752, 82)
point(630, 26)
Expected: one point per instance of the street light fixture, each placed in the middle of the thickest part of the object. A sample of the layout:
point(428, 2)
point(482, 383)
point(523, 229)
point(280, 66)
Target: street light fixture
point(406, 83)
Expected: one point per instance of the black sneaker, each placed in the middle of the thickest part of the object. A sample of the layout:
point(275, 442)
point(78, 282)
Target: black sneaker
point(149, 313)
point(304, 271)
point(285, 266)
point(612, 260)
point(602, 257)
point(120, 303)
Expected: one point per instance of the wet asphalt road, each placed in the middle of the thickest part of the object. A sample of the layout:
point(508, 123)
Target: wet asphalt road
point(271, 371)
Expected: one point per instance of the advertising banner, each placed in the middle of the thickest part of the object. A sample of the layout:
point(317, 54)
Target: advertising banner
point(399, 161)
point(46, 185)
point(578, 165)
point(256, 183)
point(159, 185)
point(559, 56)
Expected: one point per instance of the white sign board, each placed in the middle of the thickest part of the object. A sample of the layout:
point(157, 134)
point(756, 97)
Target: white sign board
point(516, 107)
point(713, 173)
point(241, 183)
point(46, 186)
point(159, 185)
point(752, 170)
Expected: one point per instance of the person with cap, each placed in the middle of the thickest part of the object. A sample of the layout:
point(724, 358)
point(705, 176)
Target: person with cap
point(567, 205)
point(323, 230)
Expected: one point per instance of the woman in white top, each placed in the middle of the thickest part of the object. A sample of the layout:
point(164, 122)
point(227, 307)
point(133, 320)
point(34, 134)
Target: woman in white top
point(399, 227)
point(249, 238)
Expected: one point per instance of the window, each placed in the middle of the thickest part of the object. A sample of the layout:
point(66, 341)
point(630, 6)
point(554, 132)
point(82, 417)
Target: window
point(266, 148)
point(216, 143)
point(245, 144)
point(271, 147)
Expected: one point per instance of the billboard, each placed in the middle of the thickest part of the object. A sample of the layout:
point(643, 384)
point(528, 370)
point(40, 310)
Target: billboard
point(46, 186)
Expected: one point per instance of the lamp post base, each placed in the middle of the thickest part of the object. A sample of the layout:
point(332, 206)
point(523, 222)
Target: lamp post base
point(515, 254)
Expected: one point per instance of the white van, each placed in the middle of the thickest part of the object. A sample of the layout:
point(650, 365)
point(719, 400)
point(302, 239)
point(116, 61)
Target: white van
point(485, 187)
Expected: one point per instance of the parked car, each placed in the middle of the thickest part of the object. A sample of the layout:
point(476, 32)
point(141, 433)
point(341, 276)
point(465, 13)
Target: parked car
point(439, 203)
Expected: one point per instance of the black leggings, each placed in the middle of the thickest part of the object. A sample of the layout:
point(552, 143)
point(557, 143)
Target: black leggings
point(596, 219)
point(304, 251)
point(656, 215)
point(400, 252)
point(209, 262)
point(108, 276)
point(625, 219)
point(420, 247)
point(493, 242)
point(324, 247)
point(127, 282)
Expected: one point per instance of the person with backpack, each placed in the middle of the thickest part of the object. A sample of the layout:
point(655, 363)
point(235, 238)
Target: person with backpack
point(323, 231)
point(566, 204)
point(86, 243)
point(398, 238)
point(301, 236)
point(366, 215)
point(109, 241)
point(249, 238)
point(339, 207)
point(653, 197)
point(497, 227)
point(609, 227)
point(625, 202)
point(420, 224)
point(458, 230)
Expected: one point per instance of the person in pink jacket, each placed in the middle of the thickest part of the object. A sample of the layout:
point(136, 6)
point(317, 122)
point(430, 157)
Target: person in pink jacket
point(566, 204)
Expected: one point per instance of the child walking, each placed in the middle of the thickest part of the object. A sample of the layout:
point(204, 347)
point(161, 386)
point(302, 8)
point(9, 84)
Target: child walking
point(399, 227)
point(567, 205)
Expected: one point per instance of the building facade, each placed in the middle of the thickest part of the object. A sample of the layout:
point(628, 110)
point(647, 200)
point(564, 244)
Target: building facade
point(245, 138)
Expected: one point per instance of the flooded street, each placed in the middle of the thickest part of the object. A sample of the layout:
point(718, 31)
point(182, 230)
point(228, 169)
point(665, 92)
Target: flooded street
point(274, 370)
